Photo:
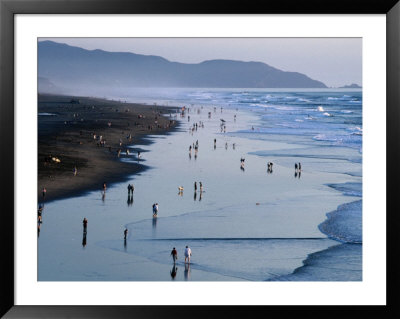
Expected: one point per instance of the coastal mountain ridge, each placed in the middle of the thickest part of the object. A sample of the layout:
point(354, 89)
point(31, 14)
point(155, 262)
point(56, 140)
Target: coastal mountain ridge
point(73, 68)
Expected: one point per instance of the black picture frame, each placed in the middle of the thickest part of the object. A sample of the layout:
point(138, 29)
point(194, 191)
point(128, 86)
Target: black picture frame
point(9, 8)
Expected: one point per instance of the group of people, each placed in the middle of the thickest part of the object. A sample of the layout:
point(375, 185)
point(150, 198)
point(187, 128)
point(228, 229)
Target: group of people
point(200, 185)
point(131, 188)
point(187, 254)
point(196, 149)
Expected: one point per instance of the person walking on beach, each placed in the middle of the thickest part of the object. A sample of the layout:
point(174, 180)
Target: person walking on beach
point(85, 221)
point(201, 187)
point(155, 209)
point(195, 186)
point(104, 187)
point(125, 233)
point(188, 254)
point(40, 214)
point(295, 167)
point(174, 254)
point(299, 166)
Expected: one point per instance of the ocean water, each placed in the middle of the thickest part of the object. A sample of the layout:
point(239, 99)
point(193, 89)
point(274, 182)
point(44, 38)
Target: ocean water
point(247, 224)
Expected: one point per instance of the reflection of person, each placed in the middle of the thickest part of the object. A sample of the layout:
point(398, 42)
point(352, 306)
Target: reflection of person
point(174, 271)
point(84, 239)
point(187, 272)
point(174, 254)
point(188, 253)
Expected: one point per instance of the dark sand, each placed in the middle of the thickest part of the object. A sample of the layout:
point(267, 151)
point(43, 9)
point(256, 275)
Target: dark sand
point(68, 136)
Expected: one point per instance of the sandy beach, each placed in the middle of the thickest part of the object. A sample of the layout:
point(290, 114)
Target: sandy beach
point(247, 225)
point(88, 133)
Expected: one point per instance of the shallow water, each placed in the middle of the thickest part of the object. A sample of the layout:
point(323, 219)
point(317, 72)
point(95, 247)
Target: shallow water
point(246, 224)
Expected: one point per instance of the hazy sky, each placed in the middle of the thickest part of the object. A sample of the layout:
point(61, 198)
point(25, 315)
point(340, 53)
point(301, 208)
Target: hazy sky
point(334, 61)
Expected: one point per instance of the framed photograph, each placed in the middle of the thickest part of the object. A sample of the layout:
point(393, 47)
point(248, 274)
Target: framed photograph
point(163, 155)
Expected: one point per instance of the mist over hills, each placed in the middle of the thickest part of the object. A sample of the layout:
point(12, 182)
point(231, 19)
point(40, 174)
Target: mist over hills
point(76, 70)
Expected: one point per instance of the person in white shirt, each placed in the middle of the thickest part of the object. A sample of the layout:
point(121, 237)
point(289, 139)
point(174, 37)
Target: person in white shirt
point(188, 253)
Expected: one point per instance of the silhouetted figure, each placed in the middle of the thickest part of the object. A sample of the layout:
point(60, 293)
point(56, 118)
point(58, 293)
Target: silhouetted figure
point(130, 189)
point(299, 166)
point(85, 222)
point(173, 271)
point(174, 254)
point(44, 192)
point(40, 210)
point(295, 167)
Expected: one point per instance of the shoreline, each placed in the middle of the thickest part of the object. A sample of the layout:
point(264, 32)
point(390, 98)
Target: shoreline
point(66, 129)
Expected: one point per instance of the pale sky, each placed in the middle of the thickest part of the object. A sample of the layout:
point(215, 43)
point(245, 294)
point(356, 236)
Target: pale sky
point(334, 61)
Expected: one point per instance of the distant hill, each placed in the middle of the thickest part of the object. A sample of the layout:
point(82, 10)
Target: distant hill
point(351, 86)
point(72, 68)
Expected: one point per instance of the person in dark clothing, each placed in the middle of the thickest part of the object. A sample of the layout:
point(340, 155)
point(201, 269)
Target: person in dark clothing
point(85, 222)
point(174, 254)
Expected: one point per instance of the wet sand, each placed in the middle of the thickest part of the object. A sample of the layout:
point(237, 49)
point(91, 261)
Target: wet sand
point(66, 129)
point(248, 225)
